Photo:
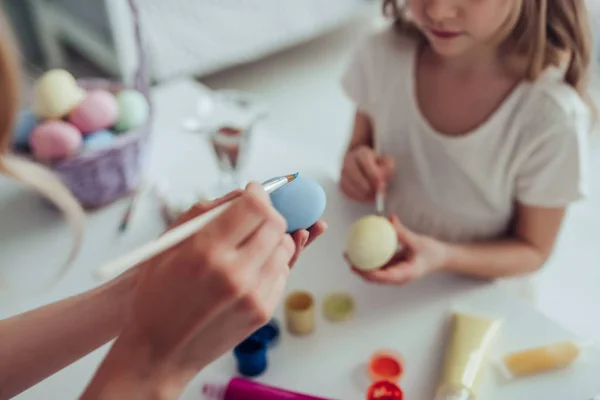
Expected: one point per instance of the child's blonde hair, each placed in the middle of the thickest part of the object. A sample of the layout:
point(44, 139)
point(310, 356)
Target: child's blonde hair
point(24, 171)
point(544, 32)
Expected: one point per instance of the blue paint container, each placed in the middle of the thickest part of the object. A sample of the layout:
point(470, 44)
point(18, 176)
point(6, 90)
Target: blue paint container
point(251, 356)
point(269, 333)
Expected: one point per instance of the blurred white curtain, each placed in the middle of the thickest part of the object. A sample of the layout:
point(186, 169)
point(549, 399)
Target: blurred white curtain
point(201, 36)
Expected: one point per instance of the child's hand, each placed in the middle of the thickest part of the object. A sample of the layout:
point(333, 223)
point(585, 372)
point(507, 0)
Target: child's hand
point(420, 256)
point(364, 174)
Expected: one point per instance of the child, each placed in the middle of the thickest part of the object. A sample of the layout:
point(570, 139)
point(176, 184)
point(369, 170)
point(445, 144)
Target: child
point(472, 119)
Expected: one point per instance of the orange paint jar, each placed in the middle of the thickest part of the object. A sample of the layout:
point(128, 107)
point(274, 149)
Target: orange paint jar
point(386, 365)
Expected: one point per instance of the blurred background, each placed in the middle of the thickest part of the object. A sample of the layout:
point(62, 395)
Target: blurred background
point(283, 51)
point(183, 37)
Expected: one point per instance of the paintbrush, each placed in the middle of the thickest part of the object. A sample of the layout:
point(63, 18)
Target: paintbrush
point(126, 218)
point(116, 267)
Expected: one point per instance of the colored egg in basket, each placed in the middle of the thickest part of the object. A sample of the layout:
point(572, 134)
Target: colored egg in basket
point(55, 140)
point(99, 110)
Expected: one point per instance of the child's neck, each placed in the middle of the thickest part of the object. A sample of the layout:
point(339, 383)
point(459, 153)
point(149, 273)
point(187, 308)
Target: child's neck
point(477, 61)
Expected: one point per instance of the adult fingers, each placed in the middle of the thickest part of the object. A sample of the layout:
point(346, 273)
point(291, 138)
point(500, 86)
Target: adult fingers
point(242, 218)
point(300, 239)
point(272, 278)
point(315, 231)
point(279, 259)
point(260, 246)
point(255, 286)
point(305, 237)
point(273, 297)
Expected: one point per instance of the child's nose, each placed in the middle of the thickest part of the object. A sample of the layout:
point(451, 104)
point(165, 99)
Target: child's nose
point(439, 10)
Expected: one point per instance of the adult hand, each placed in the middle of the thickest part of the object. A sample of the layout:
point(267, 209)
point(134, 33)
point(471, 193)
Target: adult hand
point(364, 173)
point(199, 299)
point(419, 256)
point(302, 237)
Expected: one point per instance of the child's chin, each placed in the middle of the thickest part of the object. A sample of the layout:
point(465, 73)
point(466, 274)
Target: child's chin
point(449, 49)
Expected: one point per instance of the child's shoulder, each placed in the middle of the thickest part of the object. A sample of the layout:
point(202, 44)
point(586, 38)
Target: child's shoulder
point(554, 108)
point(556, 96)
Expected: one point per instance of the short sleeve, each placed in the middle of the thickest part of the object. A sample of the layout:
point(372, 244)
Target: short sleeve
point(356, 78)
point(554, 167)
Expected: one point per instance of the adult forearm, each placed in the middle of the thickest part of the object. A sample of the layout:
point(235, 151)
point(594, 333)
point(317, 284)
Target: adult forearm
point(495, 259)
point(36, 344)
point(131, 371)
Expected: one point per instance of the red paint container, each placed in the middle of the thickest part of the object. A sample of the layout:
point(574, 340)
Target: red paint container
point(385, 390)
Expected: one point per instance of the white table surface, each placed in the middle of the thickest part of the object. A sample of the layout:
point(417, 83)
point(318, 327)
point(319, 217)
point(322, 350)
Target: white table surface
point(411, 319)
point(329, 363)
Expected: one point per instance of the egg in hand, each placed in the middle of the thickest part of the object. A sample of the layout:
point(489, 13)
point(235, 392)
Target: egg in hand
point(301, 202)
point(371, 242)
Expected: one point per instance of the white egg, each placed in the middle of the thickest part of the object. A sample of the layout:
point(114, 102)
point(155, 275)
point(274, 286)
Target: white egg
point(371, 243)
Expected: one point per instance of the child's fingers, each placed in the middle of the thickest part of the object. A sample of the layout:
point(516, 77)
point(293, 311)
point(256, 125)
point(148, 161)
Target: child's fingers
point(406, 237)
point(365, 275)
point(387, 165)
point(398, 271)
point(397, 274)
point(354, 192)
point(368, 165)
point(354, 175)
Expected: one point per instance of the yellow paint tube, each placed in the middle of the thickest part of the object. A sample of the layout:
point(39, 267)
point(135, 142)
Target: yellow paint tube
point(552, 357)
point(467, 356)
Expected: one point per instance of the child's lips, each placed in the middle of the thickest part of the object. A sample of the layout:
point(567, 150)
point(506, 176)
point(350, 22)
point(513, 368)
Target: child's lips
point(444, 34)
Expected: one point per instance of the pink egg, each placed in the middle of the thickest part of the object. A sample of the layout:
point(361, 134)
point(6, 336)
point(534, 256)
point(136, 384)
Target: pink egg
point(54, 140)
point(99, 110)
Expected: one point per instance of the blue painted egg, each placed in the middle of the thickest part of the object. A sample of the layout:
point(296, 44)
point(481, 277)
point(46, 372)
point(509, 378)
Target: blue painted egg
point(26, 123)
point(301, 203)
point(98, 140)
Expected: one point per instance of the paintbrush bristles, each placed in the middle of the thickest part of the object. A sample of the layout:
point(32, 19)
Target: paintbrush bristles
point(291, 177)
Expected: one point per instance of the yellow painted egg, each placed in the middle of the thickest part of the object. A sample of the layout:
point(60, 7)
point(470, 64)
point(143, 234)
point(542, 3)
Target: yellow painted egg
point(371, 243)
point(56, 94)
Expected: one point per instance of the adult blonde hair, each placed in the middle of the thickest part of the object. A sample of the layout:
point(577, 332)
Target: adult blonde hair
point(543, 32)
point(26, 172)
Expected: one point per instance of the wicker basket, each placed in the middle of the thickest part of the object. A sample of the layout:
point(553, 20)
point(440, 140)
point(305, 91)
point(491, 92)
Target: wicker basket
point(97, 178)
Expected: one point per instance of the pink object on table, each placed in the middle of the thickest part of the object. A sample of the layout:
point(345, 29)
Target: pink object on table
point(243, 389)
point(99, 110)
point(54, 140)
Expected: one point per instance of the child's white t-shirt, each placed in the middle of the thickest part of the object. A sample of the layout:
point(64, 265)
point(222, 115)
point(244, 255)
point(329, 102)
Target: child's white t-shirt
point(532, 150)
